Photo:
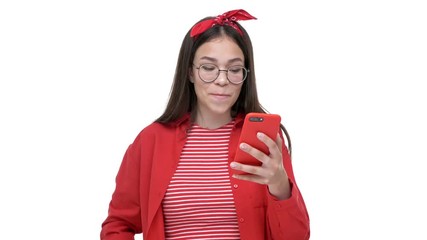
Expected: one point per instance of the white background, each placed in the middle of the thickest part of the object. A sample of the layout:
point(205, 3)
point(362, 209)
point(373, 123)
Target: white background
point(79, 79)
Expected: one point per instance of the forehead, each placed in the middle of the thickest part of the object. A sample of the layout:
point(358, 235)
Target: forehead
point(220, 49)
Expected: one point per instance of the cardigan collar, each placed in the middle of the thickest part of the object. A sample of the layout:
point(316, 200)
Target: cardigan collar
point(185, 120)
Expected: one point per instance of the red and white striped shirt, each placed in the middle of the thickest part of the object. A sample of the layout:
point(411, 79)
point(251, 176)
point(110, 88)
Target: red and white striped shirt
point(199, 202)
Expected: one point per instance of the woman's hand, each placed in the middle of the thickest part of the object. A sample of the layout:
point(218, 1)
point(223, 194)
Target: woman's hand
point(271, 172)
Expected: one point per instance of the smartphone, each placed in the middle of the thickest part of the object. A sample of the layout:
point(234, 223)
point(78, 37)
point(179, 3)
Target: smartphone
point(267, 123)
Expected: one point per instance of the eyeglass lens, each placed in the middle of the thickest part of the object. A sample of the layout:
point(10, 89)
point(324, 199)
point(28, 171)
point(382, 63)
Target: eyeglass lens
point(210, 72)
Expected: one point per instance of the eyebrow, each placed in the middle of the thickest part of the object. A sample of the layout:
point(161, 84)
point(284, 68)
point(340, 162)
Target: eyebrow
point(237, 59)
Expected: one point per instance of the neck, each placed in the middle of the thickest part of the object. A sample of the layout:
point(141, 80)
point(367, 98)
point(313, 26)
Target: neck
point(212, 121)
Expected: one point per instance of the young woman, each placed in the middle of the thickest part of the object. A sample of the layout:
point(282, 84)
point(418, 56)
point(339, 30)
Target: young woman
point(176, 179)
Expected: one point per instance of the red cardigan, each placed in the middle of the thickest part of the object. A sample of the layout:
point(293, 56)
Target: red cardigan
point(149, 164)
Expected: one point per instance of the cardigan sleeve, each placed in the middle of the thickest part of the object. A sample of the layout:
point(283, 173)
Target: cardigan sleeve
point(124, 215)
point(288, 219)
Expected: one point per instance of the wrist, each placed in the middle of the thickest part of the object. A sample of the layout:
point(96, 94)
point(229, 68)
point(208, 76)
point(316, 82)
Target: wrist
point(280, 190)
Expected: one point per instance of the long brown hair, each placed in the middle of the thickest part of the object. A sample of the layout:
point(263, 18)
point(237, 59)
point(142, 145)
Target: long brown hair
point(182, 97)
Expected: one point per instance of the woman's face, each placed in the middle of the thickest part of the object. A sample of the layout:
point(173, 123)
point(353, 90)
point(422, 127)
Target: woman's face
point(216, 98)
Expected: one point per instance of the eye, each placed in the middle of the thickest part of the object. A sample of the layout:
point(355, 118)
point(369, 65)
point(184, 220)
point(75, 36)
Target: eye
point(208, 67)
point(235, 69)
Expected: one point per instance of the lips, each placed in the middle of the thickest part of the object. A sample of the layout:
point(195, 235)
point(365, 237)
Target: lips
point(220, 96)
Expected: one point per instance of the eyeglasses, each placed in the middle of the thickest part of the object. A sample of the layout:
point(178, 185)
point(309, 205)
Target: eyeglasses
point(209, 72)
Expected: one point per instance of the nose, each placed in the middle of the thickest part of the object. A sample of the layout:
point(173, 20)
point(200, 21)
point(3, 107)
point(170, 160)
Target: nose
point(222, 78)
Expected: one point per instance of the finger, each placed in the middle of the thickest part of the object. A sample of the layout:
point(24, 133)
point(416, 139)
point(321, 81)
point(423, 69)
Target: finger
point(274, 146)
point(250, 172)
point(247, 168)
point(254, 152)
point(250, 177)
point(276, 153)
point(279, 142)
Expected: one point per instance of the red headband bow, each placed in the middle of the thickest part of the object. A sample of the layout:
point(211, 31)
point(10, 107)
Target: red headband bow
point(228, 18)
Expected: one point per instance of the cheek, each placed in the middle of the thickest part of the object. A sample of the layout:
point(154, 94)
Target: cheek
point(236, 94)
point(199, 87)
point(238, 90)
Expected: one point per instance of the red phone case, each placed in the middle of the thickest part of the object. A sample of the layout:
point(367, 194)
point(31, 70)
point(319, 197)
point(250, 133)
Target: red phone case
point(267, 123)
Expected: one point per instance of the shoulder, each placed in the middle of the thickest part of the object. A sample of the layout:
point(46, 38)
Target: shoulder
point(149, 137)
point(158, 129)
point(155, 129)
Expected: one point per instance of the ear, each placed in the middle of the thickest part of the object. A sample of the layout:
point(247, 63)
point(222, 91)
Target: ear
point(191, 79)
point(191, 75)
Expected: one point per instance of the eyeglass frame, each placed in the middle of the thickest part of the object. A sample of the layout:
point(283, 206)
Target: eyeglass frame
point(219, 72)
